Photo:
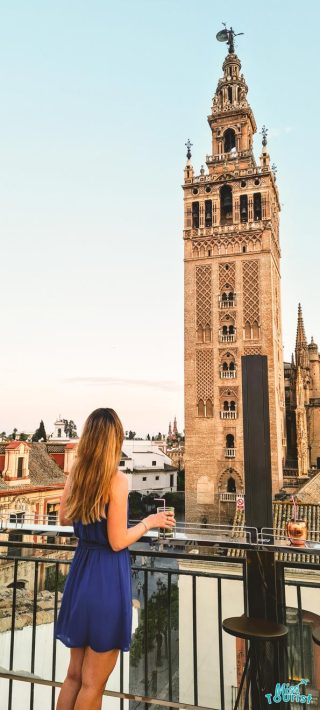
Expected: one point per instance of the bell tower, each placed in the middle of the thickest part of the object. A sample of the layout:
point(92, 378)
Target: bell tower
point(232, 297)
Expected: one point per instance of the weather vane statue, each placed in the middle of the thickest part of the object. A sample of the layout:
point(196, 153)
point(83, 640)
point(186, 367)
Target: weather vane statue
point(228, 37)
point(188, 145)
point(264, 134)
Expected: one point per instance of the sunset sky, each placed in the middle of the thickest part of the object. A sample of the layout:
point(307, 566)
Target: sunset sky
point(97, 101)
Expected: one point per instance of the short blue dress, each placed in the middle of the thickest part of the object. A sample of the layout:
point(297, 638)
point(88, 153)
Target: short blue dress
point(96, 607)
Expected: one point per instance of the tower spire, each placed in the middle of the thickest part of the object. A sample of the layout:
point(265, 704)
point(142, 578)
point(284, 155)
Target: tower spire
point(301, 341)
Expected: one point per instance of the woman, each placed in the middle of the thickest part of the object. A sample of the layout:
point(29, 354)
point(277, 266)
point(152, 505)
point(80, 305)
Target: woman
point(96, 610)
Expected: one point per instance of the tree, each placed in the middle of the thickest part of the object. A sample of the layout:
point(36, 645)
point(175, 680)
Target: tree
point(131, 434)
point(13, 436)
point(158, 437)
point(23, 436)
point(157, 623)
point(70, 429)
point(148, 437)
point(40, 433)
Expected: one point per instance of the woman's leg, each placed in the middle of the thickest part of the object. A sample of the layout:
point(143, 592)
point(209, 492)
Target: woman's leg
point(96, 669)
point(72, 683)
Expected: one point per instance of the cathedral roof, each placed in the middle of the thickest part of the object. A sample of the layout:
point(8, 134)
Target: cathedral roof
point(310, 492)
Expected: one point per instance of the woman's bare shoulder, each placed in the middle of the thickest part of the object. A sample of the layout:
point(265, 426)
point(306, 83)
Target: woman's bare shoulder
point(119, 484)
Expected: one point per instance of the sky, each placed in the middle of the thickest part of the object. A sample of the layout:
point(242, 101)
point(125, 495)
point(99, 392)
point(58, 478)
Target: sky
point(97, 101)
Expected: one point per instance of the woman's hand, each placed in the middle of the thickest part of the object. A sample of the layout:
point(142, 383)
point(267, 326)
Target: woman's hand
point(164, 519)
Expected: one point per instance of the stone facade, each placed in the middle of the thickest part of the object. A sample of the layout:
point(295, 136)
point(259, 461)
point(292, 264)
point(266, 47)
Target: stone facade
point(31, 483)
point(232, 298)
point(302, 387)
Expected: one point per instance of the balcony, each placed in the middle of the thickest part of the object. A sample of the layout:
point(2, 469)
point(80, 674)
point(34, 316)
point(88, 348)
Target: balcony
point(228, 414)
point(230, 453)
point(219, 157)
point(229, 338)
point(226, 303)
point(228, 497)
point(179, 601)
point(228, 374)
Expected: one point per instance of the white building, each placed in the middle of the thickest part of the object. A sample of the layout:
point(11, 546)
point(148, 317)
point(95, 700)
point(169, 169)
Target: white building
point(147, 467)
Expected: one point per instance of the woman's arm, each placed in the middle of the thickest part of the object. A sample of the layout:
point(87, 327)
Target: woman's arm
point(63, 520)
point(119, 535)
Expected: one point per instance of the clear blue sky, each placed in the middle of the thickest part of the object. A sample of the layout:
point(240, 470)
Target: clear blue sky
point(97, 101)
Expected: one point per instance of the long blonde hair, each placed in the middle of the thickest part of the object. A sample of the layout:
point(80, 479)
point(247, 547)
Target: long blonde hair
point(98, 456)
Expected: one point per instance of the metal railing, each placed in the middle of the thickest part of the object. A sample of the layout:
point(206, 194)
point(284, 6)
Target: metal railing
point(182, 590)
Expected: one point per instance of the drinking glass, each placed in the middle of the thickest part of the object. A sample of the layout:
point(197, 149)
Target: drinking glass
point(166, 532)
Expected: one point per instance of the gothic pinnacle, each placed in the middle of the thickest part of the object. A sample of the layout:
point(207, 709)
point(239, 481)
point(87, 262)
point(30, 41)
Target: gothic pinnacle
point(301, 341)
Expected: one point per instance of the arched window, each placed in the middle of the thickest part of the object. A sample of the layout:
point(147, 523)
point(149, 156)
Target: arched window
point(247, 331)
point(231, 485)
point(225, 204)
point(229, 139)
point(195, 215)
point(230, 441)
point(200, 334)
point(257, 209)
point(208, 334)
point(244, 208)
point(231, 330)
point(201, 410)
point(225, 366)
point(225, 330)
point(232, 406)
point(226, 406)
point(209, 408)
point(224, 297)
point(230, 94)
point(255, 330)
point(232, 366)
point(208, 213)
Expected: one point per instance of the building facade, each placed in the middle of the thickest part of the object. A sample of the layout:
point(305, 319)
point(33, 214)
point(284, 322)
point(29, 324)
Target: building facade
point(232, 297)
point(302, 391)
point(147, 467)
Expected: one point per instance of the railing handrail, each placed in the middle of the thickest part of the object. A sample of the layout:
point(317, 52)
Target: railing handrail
point(26, 677)
point(229, 536)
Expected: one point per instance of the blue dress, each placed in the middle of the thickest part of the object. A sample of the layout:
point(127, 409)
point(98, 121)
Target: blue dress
point(96, 607)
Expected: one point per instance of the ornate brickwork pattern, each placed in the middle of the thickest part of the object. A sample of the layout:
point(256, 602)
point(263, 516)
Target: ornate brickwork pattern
point(251, 292)
point(204, 296)
point(228, 392)
point(225, 246)
point(204, 374)
point(227, 276)
point(227, 316)
point(255, 350)
point(276, 299)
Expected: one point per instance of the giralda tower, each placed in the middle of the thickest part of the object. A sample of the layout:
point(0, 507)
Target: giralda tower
point(232, 297)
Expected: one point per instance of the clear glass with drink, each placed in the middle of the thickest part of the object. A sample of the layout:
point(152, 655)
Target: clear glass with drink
point(166, 532)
